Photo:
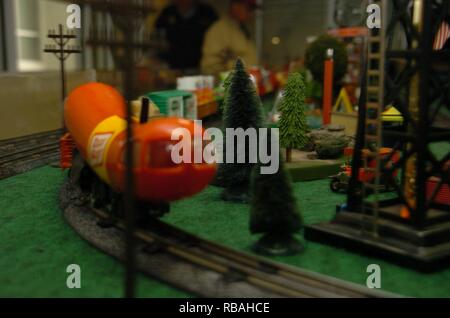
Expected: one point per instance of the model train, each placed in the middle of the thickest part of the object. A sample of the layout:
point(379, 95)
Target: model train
point(94, 115)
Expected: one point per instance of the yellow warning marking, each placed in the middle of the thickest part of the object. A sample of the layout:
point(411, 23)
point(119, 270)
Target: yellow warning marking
point(343, 99)
point(392, 114)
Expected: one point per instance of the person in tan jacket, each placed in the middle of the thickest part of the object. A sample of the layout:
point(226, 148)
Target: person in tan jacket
point(228, 39)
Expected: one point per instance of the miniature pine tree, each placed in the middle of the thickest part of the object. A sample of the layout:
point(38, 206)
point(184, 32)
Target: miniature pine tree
point(218, 180)
point(274, 213)
point(226, 87)
point(293, 125)
point(242, 109)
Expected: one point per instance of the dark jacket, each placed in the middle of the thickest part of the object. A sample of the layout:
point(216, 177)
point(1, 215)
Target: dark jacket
point(185, 34)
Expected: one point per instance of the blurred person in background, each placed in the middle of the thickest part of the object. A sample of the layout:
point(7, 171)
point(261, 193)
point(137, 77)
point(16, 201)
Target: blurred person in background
point(229, 38)
point(183, 24)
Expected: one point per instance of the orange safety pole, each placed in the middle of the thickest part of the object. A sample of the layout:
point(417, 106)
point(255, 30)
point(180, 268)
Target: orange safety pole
point(328, 87)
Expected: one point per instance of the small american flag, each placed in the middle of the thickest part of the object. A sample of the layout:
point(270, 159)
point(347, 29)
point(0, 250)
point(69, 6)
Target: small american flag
point(442, 36)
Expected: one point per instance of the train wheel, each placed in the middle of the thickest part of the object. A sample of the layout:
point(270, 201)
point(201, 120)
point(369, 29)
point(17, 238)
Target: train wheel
point(80, 173)
point(335, 185)
point(157, 209)
point(357, 191)
point(99, 194)
point(86, 179)
point(369, 191)
point(117, 206)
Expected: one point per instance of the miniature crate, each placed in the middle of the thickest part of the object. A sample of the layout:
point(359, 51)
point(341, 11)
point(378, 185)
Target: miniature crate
point(190, 107)
point(176, 103)
point(169, 104)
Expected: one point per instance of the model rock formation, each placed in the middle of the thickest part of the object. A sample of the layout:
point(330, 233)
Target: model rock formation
point(328, 142)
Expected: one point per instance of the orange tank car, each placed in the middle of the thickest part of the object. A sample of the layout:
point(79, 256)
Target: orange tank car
point(94, 115)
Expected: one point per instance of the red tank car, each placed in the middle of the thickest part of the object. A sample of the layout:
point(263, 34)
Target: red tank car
point(95, 118)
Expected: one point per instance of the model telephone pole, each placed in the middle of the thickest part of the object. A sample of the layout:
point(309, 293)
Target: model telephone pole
point(62, 51)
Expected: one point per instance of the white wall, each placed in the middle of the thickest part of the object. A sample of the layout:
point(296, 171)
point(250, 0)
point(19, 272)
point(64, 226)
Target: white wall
point(48, 15)
point(51, 14)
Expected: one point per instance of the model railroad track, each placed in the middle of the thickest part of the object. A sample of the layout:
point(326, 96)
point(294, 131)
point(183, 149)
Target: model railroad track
point(22, 154)
point(279, 279)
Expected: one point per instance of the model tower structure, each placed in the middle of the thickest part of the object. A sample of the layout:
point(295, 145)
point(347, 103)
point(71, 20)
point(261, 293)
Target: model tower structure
point(411, 226)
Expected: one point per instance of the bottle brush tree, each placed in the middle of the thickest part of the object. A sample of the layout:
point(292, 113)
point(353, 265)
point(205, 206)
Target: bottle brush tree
point(242, 109)
point(293, 124)
point(226, 85)
point(274, 213)
point(218, 180)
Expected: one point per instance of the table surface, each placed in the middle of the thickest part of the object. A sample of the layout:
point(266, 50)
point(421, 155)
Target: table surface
point(37, 244)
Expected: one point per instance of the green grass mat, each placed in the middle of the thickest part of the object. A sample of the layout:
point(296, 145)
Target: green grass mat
point(37, 245)
point(227, 223)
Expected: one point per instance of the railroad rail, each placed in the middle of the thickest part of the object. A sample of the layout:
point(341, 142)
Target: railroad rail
point(276, 278)
point(21, 154)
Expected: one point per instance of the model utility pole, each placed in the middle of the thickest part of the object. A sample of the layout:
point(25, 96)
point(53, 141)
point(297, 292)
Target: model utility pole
point(62, 51)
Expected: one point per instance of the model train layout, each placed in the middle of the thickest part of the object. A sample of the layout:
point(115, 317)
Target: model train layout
point(95, 122)
point(190, 148)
